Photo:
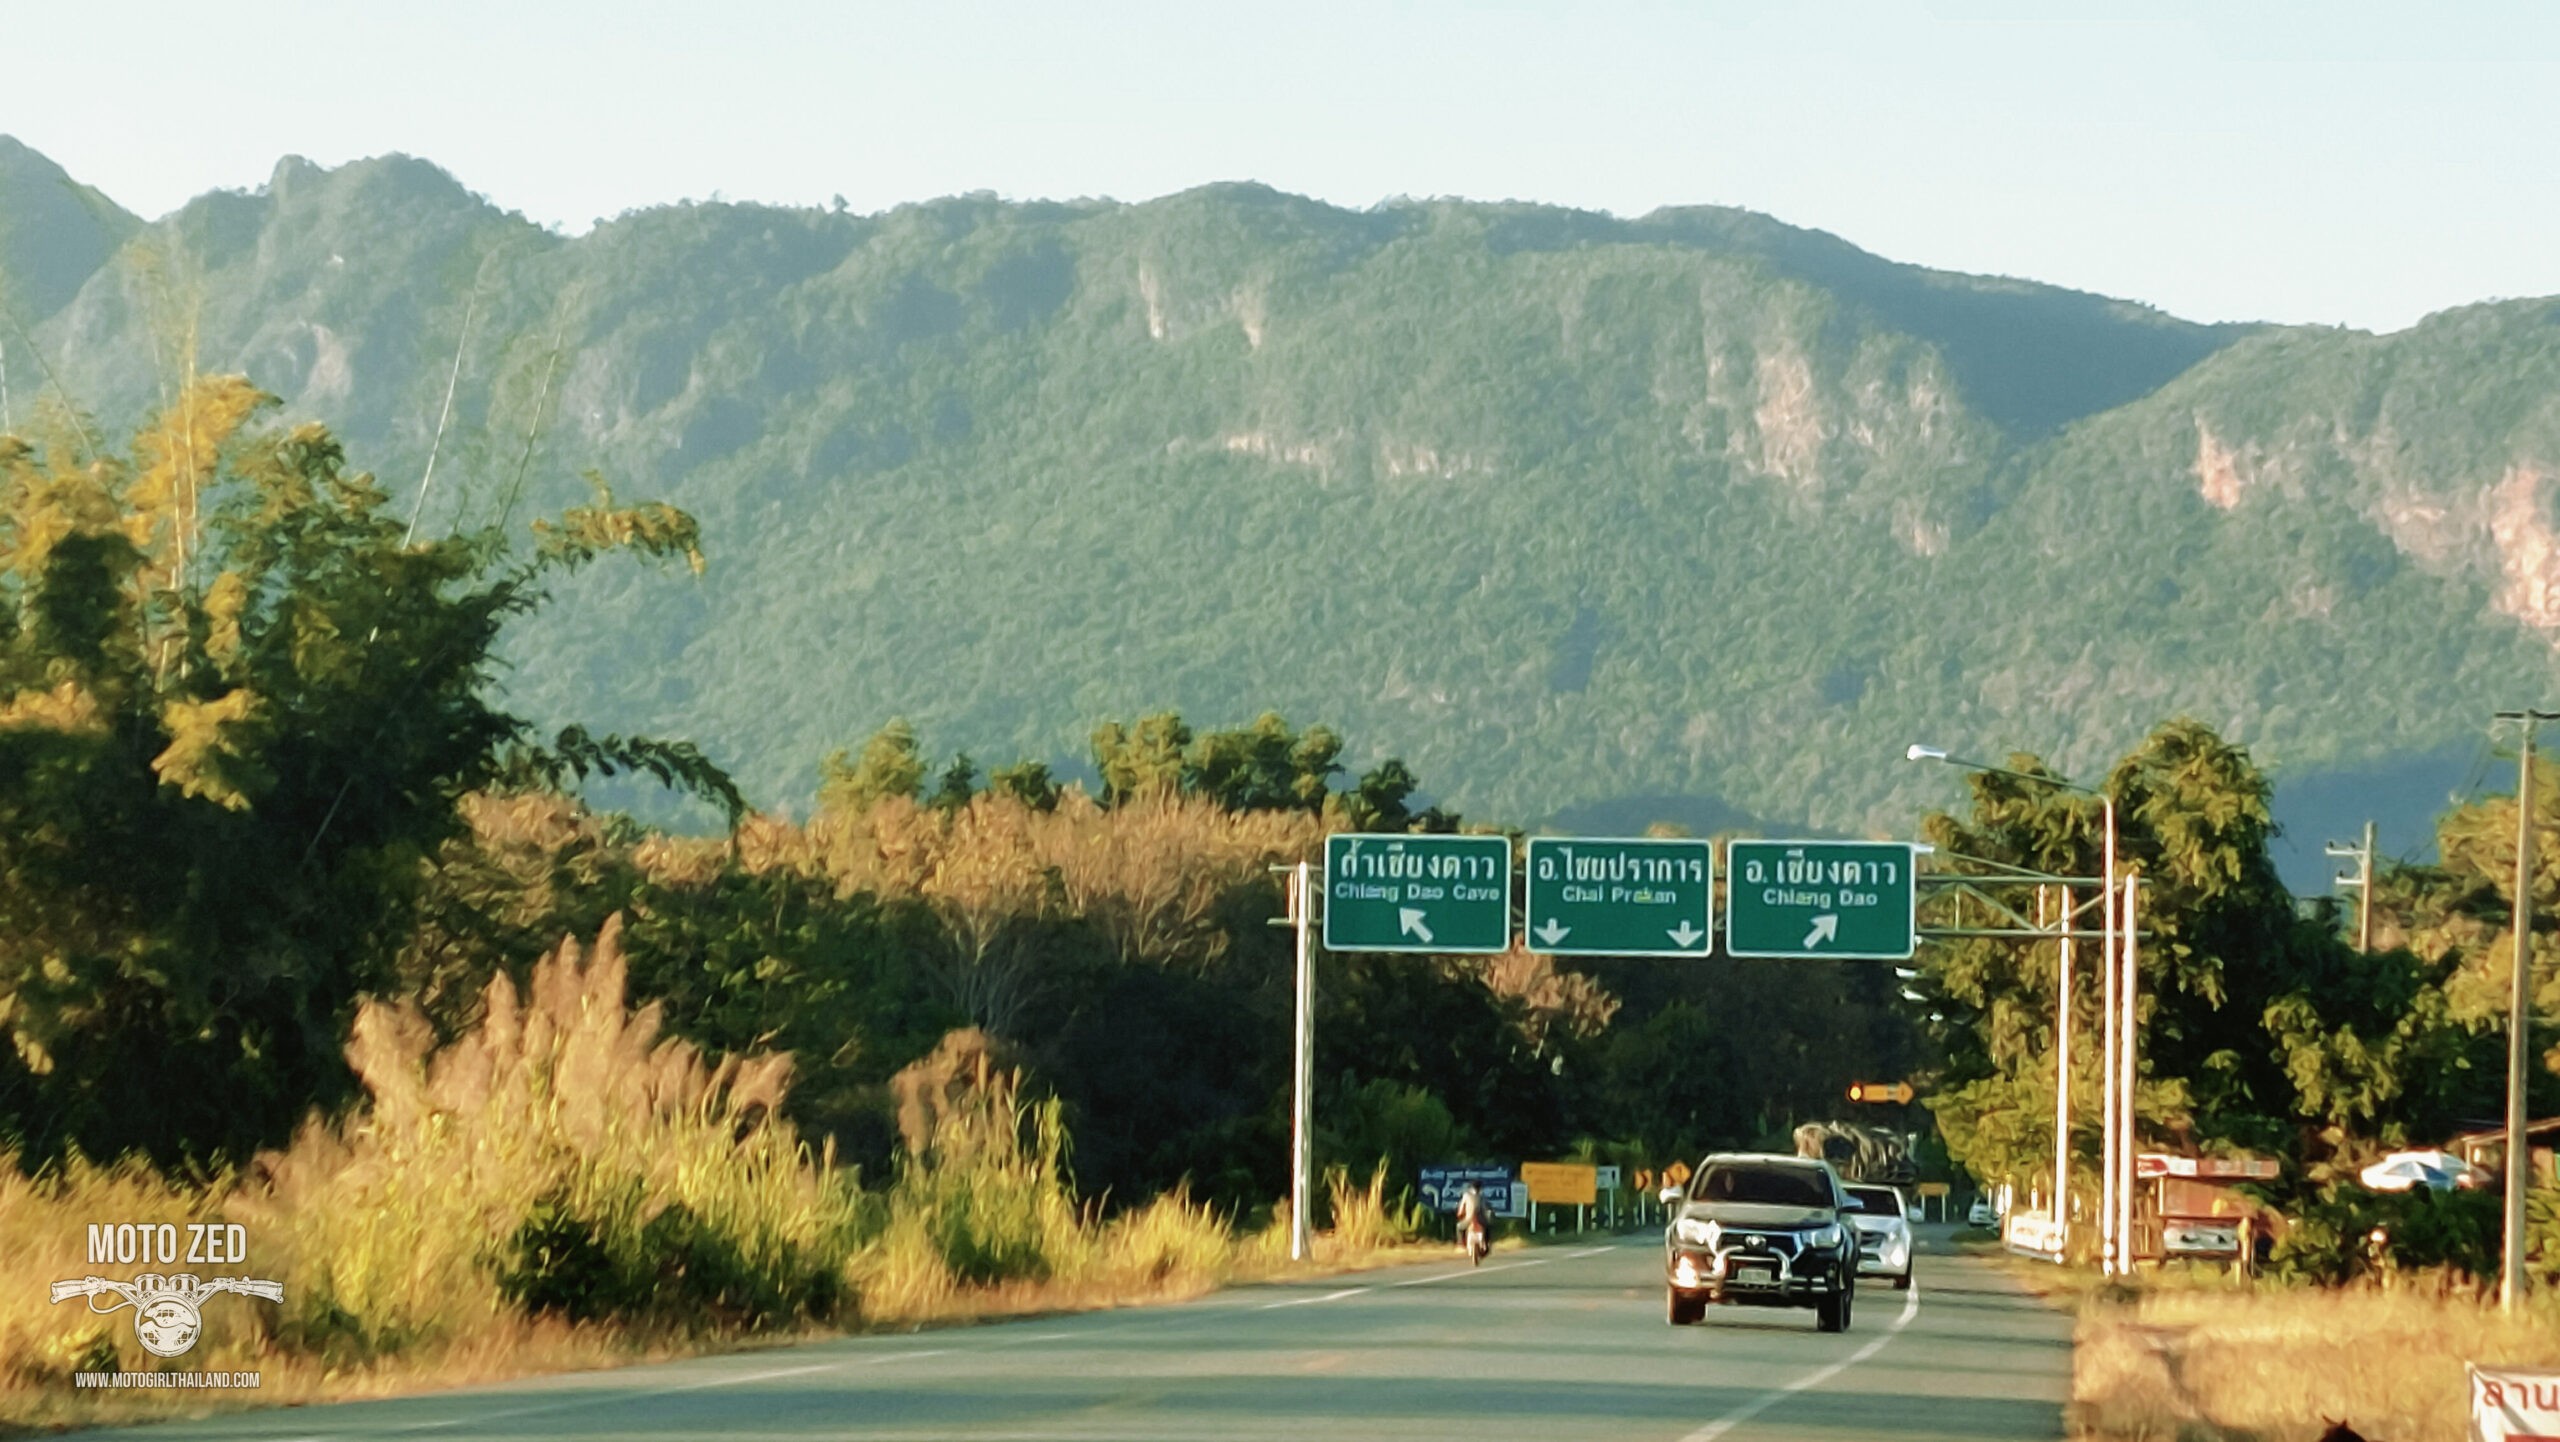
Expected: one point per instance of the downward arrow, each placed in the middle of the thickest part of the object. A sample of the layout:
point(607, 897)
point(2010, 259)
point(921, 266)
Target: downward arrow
point(1686, 936)
point(1550, 933)
point(1825, 928)
point(1409, 921)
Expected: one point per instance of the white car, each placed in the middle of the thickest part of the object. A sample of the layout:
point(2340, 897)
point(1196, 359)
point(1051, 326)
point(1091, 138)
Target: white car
point(1981, 1214)
point(2435, 1171)
point(1883, 1220)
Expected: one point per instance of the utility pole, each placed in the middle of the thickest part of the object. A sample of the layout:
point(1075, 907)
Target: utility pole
point(2362, 881)
point(2519, 1016)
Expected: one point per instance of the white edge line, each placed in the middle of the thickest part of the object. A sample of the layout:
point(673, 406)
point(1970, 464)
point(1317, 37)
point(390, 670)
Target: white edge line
point(1810, 1380)
point(609, 1398)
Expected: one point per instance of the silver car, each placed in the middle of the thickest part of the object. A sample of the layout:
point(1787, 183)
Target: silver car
point(1883, 1220)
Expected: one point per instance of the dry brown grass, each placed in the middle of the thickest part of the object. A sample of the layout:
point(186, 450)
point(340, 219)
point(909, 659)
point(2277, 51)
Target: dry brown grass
point(2202, 1359)
point(393, 1230)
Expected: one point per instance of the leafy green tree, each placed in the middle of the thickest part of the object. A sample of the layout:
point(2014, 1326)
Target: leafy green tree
point(1141, 760)
point(957, 783)
point(1028, 782)
point(238, 708)
point(890, 765)
point(1263, 767)
point(2221, 948)
point(1266, 766)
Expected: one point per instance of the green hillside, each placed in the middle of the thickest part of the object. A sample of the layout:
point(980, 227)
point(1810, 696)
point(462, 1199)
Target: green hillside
point(1696, 515)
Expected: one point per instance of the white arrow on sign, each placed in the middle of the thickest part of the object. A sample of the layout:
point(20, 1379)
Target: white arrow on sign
point(1825, 928)
point(1409, 921)
point(1686, 936)
point(1550, 932)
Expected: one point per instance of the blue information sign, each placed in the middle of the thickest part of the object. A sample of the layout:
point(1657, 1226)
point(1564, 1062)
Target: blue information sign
point(1442, 1186)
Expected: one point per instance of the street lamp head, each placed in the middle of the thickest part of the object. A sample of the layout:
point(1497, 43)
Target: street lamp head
point(1919, 752)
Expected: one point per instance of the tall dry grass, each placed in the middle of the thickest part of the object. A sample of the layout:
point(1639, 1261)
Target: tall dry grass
point(498, 1206)
point(2269, 1363)
point(981, 1219)
point(549, 1160)
point(563, 1186)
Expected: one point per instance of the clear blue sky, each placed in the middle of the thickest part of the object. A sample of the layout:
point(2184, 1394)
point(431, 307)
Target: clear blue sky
point(2333, 163)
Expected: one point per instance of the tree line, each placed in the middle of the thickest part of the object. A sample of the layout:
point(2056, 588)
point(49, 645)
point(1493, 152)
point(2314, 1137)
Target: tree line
point(253, 773)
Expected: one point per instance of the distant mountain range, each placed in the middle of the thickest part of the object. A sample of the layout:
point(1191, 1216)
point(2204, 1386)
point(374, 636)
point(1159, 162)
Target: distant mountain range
point(1697, 516)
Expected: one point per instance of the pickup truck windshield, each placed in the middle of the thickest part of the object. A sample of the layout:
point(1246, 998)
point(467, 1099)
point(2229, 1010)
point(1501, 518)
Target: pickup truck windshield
point(1876, 1201)
point(1763, 1186)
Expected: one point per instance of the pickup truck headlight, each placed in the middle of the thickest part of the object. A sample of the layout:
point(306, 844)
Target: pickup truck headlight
point(1695, 1232)
point(1827, 1236)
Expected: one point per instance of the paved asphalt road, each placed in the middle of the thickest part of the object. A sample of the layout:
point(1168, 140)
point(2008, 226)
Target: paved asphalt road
point(1554, 1345)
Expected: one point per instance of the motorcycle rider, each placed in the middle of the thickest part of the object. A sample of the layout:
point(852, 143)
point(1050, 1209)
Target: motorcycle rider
point(1471, 1219)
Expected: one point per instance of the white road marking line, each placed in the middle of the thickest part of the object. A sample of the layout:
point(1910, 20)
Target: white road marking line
point(1170, 1315)
point(1811, 1380)
point(1470, 1272)
point(1311, 1301)
point(610, 1398)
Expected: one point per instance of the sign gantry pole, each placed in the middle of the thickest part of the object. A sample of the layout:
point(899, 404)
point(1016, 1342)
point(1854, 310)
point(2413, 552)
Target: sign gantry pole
point(1302, 1076)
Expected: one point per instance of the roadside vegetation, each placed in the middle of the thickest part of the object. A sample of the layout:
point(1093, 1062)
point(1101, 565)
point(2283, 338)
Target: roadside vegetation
point(2195, 1363)
point(302, 930)
point(2265, 1031)
point(564, 1185)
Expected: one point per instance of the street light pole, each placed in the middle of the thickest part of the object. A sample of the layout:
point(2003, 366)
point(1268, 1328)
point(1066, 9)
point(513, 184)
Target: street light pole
point(2125, 1047)
point(2109, 1143)
point(2062, 1089)
point(2519, 1015)
point(2116, 1152)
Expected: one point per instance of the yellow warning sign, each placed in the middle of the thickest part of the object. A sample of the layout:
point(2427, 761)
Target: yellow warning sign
point(1561, 1183)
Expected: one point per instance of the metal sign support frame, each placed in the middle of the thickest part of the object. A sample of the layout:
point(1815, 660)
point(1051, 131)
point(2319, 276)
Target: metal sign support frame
point(2117, 935)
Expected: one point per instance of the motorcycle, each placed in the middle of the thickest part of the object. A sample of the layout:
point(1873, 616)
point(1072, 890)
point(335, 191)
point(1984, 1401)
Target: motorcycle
point(1478, 1242)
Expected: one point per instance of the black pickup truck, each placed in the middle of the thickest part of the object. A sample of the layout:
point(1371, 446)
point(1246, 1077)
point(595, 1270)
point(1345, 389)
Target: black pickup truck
point(1761, 1230)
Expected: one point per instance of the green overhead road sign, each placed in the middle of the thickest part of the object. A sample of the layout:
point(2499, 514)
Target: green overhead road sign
point(1820, 898)
point(1604, 896)
point(1417, 893)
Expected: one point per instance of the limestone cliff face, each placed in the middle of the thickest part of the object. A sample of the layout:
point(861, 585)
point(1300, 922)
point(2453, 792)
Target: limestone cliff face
point(2401, 432)
point(1560, 507)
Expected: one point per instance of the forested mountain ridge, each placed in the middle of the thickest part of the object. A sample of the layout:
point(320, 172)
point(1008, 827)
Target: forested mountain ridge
point(1696, 515)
